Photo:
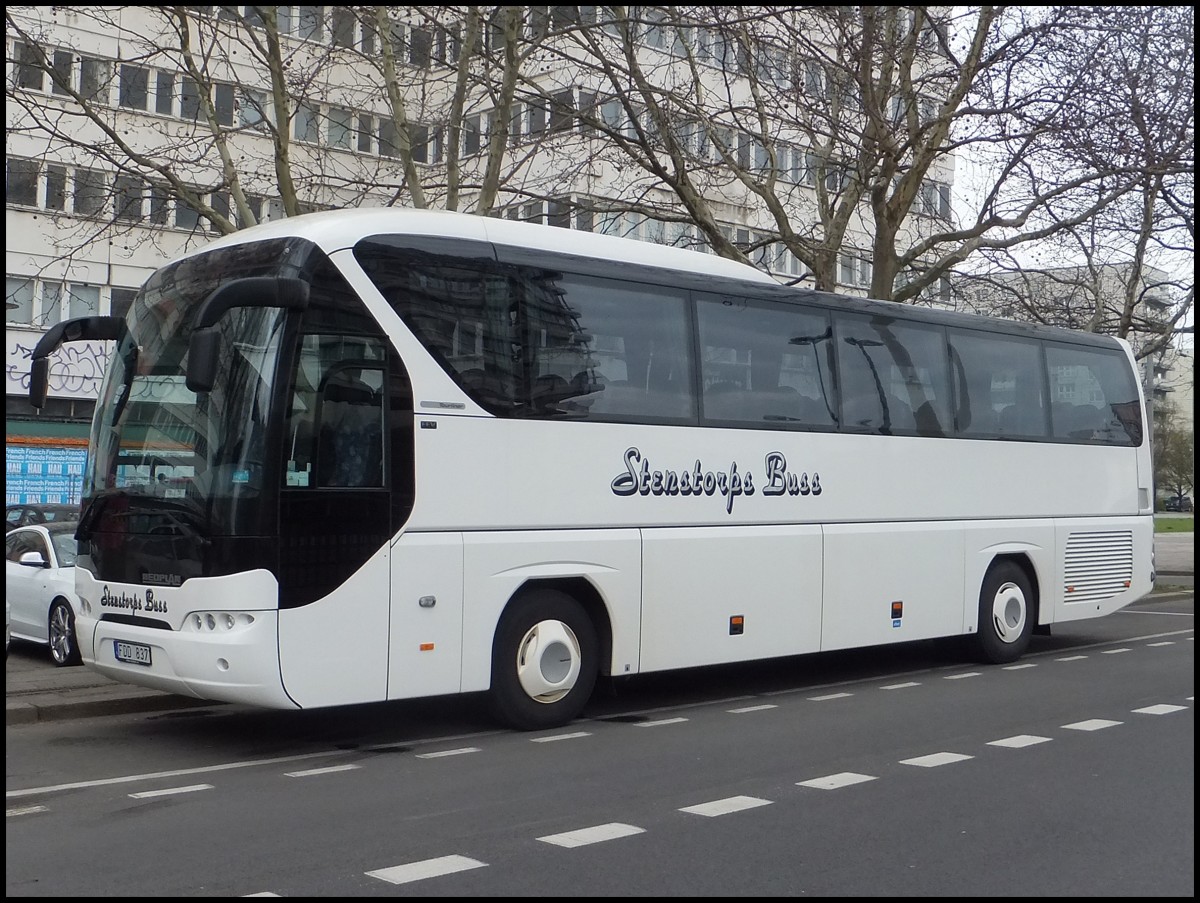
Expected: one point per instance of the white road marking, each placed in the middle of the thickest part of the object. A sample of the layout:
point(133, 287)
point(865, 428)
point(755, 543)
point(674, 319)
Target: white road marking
point(428, 868)
point(961, 676)
point(597, 834)
point(830, 696)
point(1114, 651)
point(1020, 667)
point(1092, 724)
point(726, 806)
point(1163, 643)
point(1020, 741)
point(24, 810)
point(169, 791)
point(836, 781)
point(661, 723)
point(933, 760)
point(1160, 709)
point(449, 752)
point(903, 686)
point(753, 708)
point(315, 771)
point(574, 736)
point(1071, 658)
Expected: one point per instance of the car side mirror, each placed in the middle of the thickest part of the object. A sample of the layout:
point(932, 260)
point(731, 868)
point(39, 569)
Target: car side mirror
point(33, 559)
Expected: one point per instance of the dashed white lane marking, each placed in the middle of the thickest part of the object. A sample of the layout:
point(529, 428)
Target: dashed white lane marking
point(597, 834)
point(661, 722)
point(1161, 709)
point(310, 772)
point(449, 752)
point(1092, 724)
point(24, 810)
point(1071, 658)
point(935, 759)
point(961, 676)
point(830, 696)
point(261, 893)
point(1163, 643)
point(903, 686)
point(836, 781)
point(1020, 741)
point(428, 868)
point(1114, 651)
point(574, 736)
point(753, 708)
point(726, 806)
point(146, 794)
point(1020, 667)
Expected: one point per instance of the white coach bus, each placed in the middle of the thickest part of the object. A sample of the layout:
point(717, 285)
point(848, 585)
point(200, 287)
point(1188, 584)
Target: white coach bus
point(375, 455)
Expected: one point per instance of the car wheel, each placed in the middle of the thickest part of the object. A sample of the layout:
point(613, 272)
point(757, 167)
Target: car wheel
point(64, 649)
point(1006, 614)
point(545, 658)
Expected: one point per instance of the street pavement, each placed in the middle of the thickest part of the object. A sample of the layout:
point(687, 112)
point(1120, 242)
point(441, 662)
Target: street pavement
point(36, 690)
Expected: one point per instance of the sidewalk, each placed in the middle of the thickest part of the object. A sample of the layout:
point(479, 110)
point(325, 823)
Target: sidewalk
point(38, 691)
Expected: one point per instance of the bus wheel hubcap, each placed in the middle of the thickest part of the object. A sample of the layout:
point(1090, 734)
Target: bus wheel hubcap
point(548, 661)
point(1009, 611)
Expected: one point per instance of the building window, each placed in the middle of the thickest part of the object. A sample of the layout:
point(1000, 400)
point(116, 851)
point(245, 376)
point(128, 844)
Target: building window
point(56, 187)
point(129, 191)
point(120, 300)
point(61, 79)
point(342, 27)
point(388, 139)
point(252, 109)
point(29, 73)
point(311, 25)
point(365, 129)
point(22, 182)
point(186, 216)
point(90, 188)
point(223, 102)
point(164, 93)
point(18, 300)
point(82, 300)
point(340, 125)
point(305, 124)
point(189, 103)
point(160, 200)
point(420, 47)
point(134, 90)
point(95, 76)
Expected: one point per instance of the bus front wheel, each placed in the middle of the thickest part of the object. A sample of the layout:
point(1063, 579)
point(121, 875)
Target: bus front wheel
point(544, 661)
point(1006, 614)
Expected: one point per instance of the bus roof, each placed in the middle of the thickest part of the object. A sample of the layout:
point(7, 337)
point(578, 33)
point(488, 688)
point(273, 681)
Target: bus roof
point(333, 230)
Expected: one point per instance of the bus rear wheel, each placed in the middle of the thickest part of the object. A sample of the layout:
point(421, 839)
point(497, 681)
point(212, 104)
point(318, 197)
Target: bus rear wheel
point(544, 661)
point(1006, 614)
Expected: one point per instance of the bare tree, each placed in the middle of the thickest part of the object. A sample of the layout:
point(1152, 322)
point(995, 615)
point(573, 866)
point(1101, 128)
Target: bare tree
point(830, 134)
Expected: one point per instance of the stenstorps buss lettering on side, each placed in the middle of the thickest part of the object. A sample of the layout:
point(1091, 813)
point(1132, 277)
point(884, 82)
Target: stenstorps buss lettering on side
point(370, 455)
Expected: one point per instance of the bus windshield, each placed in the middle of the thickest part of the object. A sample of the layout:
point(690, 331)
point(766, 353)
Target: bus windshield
point(163, 448)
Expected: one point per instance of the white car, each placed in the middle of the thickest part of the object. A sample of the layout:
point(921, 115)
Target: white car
point(39, 586)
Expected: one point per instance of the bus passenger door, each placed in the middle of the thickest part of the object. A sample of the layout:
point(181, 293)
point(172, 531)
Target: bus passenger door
point(335, 523)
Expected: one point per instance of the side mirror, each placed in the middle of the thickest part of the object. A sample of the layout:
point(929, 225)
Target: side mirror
point(33, 560)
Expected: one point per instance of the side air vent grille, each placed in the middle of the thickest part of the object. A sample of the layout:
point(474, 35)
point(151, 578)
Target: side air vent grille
point(1097, 565)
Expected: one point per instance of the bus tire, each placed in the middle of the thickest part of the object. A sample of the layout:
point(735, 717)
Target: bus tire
point(1006, 614)
point(545, 658)
point(60, 634)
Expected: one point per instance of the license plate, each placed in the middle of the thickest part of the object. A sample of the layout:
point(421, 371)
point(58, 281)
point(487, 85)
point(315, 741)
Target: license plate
point(133, 653)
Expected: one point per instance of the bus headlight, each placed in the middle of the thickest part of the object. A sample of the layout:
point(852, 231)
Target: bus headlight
point(217, 621)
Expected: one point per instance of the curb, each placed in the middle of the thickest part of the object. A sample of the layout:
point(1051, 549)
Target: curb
point(61, 709)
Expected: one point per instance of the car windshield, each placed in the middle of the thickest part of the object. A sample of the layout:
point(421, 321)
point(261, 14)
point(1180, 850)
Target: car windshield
point(65, 548)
